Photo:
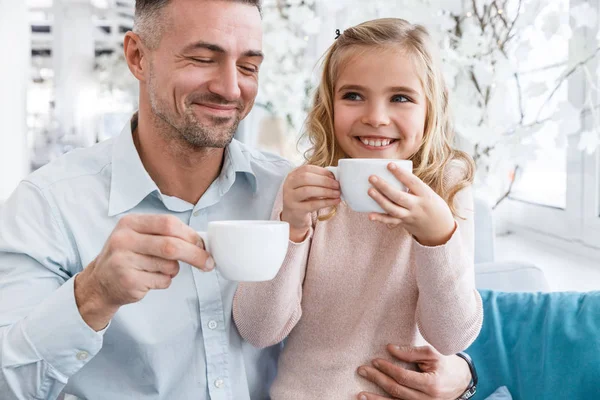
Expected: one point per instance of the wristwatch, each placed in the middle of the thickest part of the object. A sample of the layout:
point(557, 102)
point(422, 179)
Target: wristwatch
point(470, 392)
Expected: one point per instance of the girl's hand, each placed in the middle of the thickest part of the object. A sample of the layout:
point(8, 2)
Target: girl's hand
point(422, 212)
point(307, 189)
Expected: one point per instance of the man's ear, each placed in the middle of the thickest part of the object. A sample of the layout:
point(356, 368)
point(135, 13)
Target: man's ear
point(136, 55)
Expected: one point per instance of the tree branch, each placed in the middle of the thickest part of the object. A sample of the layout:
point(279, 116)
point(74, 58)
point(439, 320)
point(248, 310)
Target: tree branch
point(474, 79)
point(544, 68)
point(479, 18)
point(564, 78)
point(508, 192)
point(514, 22)
point(520, 96)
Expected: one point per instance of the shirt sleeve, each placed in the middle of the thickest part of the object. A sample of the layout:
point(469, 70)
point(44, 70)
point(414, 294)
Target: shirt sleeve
point(266, 312)
point(43, 338)
point(449, 308)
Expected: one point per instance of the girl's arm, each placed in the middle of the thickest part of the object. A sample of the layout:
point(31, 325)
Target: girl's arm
point(449, 309)
point(266, 312)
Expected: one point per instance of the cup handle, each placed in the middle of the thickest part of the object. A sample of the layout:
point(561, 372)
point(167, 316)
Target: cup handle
point(204, 237)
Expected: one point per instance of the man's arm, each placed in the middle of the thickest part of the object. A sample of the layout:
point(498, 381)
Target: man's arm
point(43, 339)
point(440, 377)
point(48, 320)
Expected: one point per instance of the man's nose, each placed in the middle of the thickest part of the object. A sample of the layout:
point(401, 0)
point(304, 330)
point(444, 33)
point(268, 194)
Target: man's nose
point(226, 83)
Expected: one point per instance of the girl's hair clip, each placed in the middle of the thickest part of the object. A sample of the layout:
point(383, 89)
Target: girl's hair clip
point(337, 33)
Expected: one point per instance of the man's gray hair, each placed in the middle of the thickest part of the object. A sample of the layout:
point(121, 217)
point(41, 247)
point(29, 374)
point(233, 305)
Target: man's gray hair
point(148, 24)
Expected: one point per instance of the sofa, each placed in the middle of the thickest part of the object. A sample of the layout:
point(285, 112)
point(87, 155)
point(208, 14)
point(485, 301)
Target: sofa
point(533, 344)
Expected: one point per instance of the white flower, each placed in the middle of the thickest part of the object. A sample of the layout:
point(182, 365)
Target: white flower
point(537, 89)
point(523, 50)
point(568, 118)
point(484, 74)
point(504, 70)
point(453, 6)
point(584, 15)
point(552, 24)
point(589, 141)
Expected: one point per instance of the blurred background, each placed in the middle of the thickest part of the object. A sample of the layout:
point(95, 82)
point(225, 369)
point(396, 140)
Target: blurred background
point(523, 76)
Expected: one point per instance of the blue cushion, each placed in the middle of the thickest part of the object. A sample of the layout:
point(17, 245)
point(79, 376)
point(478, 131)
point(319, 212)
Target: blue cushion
point(539, 345)
point(501, 394)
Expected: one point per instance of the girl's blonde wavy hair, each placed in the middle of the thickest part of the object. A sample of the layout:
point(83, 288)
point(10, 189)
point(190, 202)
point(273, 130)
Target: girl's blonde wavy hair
point(436, 151)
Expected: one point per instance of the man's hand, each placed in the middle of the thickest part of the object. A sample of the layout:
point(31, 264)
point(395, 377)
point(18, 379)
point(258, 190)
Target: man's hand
point(441, 377)
point(141, 254)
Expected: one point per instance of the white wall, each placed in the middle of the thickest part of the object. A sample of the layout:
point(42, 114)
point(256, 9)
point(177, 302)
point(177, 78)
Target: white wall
point(15, 49)
point(73, 62)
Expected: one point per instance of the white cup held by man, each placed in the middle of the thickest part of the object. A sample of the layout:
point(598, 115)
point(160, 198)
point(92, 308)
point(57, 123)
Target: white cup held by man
point(353, 175)
point(247, 251)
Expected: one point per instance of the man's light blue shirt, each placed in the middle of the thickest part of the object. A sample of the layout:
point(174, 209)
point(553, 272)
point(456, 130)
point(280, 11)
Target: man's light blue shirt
point(175, 344)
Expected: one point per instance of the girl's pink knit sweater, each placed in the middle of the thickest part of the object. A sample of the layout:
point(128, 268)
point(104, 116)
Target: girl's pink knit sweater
point(352, 287)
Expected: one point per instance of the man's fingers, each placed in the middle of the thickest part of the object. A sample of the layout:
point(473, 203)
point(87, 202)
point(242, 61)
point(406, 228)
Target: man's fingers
point(162, 225)
point(156, 264)
point(175, 249)
point(156, 281)
point(371, 396)
point(412, 354)
point(389, 385)
point(406, 378)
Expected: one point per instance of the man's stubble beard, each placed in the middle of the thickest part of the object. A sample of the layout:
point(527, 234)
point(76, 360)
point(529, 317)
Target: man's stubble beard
point(191, 131)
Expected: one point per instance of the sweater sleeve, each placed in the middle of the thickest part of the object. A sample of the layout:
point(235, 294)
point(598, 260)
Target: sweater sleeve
point(449, 308)
point(266, 312)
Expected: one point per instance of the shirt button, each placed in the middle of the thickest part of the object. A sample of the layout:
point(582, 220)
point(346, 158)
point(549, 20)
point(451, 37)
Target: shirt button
point(219, 383)
point(196, 213)
point(212, 324)
point(82, 355)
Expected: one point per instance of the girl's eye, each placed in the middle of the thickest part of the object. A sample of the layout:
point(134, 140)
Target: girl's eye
point(352, 96)
point(400, 99)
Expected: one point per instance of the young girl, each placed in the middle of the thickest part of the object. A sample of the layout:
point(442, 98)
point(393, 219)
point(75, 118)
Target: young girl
point(349, 284)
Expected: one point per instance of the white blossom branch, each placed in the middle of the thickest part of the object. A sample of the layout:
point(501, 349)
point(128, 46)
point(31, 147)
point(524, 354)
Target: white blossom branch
point(564, 78)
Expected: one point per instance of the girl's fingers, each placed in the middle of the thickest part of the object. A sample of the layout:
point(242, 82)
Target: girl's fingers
point(410, 180)
point(312, 179)
point(392, 222)
point(316, 205)
point(314, 192)
point(401, 198)
point(389, 207)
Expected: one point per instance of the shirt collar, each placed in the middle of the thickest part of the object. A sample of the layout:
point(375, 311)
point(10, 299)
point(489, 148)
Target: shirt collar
point(237, 159)
point(131, 183)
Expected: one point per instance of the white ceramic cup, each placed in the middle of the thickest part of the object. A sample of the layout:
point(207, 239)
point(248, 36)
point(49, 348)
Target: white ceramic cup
point(353, 175)
point(247, 251)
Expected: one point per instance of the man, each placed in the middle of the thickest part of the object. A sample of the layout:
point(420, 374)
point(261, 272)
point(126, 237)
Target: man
point(106, 291)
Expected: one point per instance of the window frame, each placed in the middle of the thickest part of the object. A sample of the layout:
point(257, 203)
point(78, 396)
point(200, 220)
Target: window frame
point(577, 227)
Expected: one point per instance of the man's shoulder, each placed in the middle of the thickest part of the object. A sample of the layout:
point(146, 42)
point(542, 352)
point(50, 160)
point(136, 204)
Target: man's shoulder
point(77, 164)
point(264, 160)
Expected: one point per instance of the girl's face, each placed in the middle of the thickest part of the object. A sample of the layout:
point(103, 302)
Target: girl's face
point(379, 105)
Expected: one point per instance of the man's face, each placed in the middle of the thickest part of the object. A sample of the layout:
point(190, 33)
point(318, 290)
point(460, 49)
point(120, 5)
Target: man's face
point(203, 77)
